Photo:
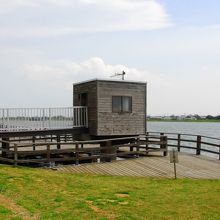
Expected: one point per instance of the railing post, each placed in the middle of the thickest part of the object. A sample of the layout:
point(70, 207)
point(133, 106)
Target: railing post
point(58, 141)
point(7, 119)
point(198, 147)
point(77, 154)
point(5, 145)
point(49, 117)
point(48, 152)
point(165, 146)
point(179, 142)
point(3, 118)
point(87, 120)
point(219, 152)
point(138, 146)
point(161, 140)
point(147, 139)
point(15, 154)
point(33, 141)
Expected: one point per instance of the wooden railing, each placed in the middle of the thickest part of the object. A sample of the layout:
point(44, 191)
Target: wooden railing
point(75, 151)
point(197, 144)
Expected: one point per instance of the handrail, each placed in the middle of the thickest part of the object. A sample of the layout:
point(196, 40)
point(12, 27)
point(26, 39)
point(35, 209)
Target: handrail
point(184, 134)
point(107, 149)
point(31, 119)
point(89, 141)
point(198, 140)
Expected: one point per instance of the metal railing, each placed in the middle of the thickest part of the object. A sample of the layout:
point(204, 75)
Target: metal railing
point(22, 119)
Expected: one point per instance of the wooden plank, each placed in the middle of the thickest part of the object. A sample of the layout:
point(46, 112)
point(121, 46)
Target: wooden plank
point(189, 167)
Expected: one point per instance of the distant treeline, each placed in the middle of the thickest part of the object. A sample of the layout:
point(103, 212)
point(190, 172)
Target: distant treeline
point(210, 117)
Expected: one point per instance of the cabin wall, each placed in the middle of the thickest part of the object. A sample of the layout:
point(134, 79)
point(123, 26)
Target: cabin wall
point(91, 89)
point(110, 123)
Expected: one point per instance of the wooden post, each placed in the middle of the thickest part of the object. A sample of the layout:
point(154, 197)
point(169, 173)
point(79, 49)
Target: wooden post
point(161, 140)
point(15, 154)
point(48, 152)
point(58, 141)
point(165, 146)
point(5, 145)
point(198, 148)
point(179, 142)
point(138, 146)
point(147, 139)
point(106, 149)
point(33, 141)
point(77, 154)
point(132, 142)
point(219, 152)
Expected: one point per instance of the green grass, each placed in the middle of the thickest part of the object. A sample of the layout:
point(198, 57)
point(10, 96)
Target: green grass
point(53, 195)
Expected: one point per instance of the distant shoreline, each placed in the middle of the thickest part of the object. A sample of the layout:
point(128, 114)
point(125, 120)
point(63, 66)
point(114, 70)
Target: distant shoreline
point(186, 120)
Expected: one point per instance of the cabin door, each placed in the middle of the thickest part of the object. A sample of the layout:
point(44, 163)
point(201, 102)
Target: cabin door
point(83, 99)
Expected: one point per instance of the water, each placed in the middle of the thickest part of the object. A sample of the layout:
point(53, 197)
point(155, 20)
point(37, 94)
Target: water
point(211, 129)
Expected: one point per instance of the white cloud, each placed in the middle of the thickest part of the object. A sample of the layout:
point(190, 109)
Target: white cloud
point(66, 72)
point(84, 16)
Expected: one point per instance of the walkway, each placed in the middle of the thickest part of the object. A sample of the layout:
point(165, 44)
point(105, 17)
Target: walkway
point(189, 166)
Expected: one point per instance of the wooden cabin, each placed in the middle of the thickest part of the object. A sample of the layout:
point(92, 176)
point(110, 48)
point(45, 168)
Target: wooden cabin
point(115, 108)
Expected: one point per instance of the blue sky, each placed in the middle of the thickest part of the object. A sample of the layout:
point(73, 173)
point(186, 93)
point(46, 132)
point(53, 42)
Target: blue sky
point(46, 45)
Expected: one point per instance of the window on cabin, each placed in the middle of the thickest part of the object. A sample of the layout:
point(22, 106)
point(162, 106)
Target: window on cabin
point(121, 104)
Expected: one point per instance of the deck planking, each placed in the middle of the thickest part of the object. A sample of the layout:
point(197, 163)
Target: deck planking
point(189, 166)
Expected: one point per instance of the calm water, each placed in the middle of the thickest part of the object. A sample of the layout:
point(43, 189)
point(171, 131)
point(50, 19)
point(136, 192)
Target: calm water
point(196, 128)
point(211, 129)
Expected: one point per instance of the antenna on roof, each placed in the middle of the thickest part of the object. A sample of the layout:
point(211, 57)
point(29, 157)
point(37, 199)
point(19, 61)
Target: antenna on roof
point(120, 74)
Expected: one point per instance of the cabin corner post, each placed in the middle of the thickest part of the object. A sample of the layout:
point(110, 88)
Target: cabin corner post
point(198, 147)
point(145, 100)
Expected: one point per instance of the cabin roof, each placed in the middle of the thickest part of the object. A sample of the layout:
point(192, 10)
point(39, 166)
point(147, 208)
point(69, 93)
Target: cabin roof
point(111, 80)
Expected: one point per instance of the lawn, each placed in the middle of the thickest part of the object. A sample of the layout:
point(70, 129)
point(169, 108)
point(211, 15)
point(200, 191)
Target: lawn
point(43, 194)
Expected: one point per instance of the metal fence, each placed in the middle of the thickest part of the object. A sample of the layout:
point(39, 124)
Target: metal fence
point(16, 119)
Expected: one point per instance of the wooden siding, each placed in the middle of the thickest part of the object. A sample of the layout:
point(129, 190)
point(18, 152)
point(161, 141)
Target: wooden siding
point(110, 123)
point(91, 89)
point(102, 121)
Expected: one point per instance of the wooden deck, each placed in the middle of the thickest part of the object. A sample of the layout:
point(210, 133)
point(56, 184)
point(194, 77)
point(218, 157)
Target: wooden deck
point(189, 166)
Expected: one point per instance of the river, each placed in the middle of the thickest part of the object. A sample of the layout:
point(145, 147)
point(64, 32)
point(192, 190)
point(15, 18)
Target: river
point(211, 129)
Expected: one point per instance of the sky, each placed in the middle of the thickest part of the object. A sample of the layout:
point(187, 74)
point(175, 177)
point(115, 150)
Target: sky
point(173, 45)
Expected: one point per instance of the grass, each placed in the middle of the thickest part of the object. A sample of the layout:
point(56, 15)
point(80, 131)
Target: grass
point(52, 195)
